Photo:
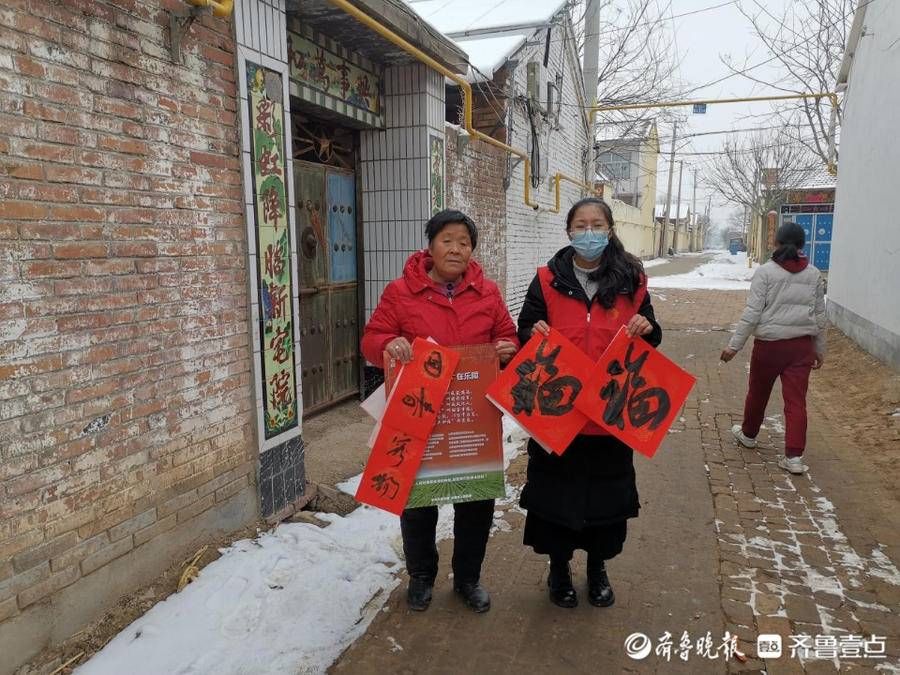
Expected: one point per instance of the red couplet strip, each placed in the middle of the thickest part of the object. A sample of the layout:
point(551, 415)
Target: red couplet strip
point(391, 470)
point(540, 388)
point(411, 413)
point(635, 392)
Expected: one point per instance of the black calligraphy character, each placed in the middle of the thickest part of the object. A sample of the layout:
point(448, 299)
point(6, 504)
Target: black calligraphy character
point(624, 397)
point(385, 485)
point(555, 395)
point(418, 403)
point(434, 364)
point(399, 449)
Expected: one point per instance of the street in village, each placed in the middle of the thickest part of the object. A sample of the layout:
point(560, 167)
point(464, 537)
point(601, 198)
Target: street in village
point(727, 543)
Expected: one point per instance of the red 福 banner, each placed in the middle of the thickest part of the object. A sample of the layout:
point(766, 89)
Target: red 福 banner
point(539, 389)
point(635, 393)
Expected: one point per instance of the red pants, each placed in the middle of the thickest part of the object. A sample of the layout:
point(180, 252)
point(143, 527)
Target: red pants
point(791, 360)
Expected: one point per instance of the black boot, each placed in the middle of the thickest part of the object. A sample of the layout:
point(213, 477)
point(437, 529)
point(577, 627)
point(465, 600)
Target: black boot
point(600, 593)
point(475, 596)
point(562, 592)
point(418, 595)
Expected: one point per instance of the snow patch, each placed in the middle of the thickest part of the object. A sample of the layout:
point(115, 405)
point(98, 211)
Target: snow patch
point(723, 272)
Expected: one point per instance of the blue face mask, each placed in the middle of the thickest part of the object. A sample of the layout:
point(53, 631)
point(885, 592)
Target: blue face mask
point(589, 244)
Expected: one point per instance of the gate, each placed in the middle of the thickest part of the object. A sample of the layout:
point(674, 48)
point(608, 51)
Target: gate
point(329, 308)
point(818, 228)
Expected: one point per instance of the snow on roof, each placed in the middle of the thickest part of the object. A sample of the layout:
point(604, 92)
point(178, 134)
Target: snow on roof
point(488, 54)
point(457, 17)
point(819, 179)
point(631, 130)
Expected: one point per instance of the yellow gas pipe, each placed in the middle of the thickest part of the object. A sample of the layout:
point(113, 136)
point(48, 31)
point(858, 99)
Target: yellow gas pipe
point(220, 8)
point(409, 48)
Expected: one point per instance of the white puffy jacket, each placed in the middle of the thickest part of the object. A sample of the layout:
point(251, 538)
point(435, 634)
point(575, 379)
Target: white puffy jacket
point(783, 305)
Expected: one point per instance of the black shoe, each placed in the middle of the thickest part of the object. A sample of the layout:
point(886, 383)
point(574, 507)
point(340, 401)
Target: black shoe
point(562, 592)
point(600, 593)
point(418, 595)
point(475, 596)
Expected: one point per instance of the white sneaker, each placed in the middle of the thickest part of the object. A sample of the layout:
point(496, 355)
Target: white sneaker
point(739, 436)
point(793, 464)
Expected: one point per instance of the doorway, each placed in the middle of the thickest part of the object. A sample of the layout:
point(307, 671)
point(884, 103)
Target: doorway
point(327, 236)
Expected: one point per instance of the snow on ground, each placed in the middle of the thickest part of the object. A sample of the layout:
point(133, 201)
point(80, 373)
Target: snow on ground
point(724, 272)
point(655, 262)
point(289, 601)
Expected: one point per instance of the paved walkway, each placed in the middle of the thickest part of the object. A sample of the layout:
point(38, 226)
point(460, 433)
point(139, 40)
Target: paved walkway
point(726, 541)
point(679, 265)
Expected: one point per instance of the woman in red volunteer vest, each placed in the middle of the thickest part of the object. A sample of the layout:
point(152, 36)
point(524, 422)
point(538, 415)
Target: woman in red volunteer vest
point(583, 498)
point(443, 294)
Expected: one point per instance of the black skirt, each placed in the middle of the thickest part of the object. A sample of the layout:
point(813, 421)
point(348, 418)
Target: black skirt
point(601, 542)
point(581, 499)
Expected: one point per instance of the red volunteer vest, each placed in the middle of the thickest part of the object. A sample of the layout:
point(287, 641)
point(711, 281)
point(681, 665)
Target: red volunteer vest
point(590, 329)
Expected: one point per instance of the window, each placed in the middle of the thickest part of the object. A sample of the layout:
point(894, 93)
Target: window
point(616, 165)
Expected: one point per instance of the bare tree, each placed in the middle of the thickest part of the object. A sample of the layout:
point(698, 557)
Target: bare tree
point(637, 62)
point(758, 171)
point(806, 42)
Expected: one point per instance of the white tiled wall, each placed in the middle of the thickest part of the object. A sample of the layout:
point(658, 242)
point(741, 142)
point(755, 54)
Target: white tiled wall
point(534, 236)
point(394, 174)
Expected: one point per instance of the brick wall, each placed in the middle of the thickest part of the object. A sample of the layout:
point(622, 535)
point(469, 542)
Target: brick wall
point(126, 405)
point(475, 187)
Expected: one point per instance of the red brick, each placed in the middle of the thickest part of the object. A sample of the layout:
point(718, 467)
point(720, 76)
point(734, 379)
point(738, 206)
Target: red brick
point(16, 210)
point(46, 152)
point(24, 171)
point(125, 145)
point(96, 250)
point(76, 213)
point(74, 174)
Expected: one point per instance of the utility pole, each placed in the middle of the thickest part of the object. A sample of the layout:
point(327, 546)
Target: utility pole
point(706, 219)
point(677, 208)
point(591, 74)
point(662, 236)
point(591, 50)
point(695, 222)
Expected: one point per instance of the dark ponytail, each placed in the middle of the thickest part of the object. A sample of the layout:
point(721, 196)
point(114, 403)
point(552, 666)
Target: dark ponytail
point(791, 239)
point(618, 270)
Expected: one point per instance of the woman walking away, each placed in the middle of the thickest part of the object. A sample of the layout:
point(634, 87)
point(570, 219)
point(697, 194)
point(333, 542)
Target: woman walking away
point(786, 313)
point(583, 498)
point(443, 294)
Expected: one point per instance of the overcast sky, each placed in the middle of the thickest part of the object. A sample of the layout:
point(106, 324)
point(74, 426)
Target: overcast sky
point(701, 40)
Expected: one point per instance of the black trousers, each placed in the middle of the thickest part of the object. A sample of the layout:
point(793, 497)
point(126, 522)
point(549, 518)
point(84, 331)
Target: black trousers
point(471, 527)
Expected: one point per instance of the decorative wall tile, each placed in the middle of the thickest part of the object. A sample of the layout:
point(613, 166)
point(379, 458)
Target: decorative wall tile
point(326, 74)
point(273, 267)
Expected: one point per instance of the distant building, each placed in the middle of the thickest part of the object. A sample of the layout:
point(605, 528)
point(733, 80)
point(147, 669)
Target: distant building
point(628, 152)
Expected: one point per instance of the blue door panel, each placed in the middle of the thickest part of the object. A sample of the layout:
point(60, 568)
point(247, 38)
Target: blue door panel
point(822, 255)
point(824, 223)
point(806, 222)
point(341, 227)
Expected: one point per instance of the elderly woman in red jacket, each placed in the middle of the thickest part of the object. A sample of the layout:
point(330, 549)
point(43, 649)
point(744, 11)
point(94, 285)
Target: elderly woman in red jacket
point(583, 498)
point(443, 294)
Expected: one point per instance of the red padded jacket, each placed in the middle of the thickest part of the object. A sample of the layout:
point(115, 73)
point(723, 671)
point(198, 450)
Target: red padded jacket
point(416, 306)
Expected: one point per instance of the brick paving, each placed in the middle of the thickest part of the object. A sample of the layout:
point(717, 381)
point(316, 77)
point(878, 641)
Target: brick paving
point(726, 541)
